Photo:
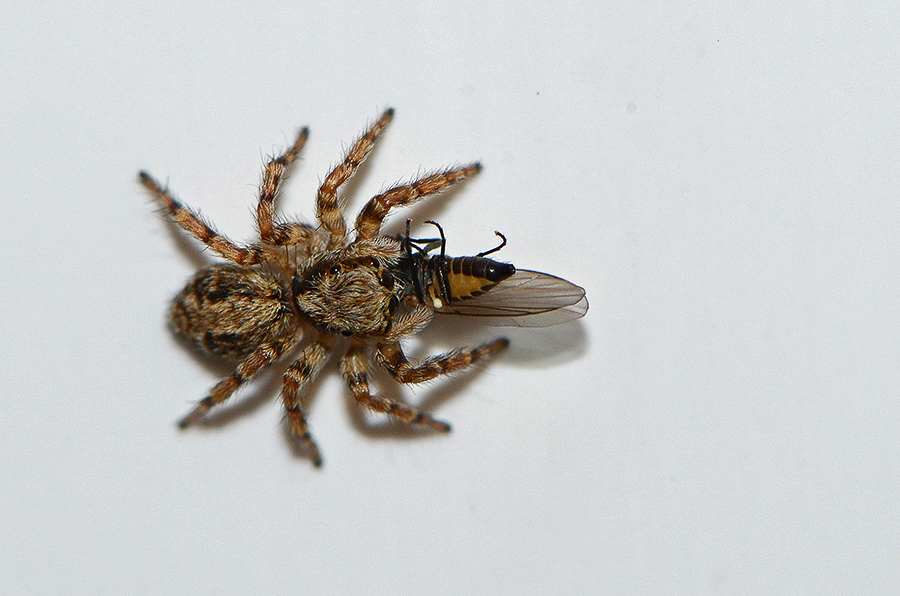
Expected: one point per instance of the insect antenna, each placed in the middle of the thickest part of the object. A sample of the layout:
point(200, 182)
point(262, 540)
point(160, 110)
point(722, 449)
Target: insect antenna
point(493, 250)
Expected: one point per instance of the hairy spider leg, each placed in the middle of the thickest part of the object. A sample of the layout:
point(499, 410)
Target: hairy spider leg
point(191, 222)
point(246, 370)
point(298, 375)
point(328, 211)
point(369, 220)
point(392, 358)
point(354, 369)
point(272, 231)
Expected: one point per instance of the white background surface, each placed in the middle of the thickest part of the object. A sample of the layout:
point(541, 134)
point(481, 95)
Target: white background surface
point(722, 182)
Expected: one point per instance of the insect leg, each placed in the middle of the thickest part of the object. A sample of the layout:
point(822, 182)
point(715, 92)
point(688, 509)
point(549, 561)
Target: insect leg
point(353, 367)
point(496, 248)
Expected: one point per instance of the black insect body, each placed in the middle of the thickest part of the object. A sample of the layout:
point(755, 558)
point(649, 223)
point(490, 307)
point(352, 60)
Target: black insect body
point(482, 287)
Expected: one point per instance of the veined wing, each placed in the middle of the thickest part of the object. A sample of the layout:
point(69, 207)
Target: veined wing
point(526, 299)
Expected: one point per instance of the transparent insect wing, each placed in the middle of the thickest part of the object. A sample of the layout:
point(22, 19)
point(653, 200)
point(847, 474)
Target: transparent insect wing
point(526, 299)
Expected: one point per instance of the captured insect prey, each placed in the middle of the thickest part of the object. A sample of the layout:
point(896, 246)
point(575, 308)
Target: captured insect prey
point(481, 287)
point(300, 287)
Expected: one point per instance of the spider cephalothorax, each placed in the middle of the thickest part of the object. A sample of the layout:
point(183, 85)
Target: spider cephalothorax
point(350, 291)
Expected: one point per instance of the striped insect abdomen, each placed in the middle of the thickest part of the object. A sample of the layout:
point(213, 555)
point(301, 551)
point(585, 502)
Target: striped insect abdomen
point(468, 277)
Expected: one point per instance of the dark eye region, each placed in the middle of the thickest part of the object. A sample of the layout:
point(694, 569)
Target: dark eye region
point(387, 279)
point(309, 280)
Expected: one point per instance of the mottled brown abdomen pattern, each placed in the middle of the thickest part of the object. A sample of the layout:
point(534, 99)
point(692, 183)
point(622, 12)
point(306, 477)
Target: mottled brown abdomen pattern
point(230, 311)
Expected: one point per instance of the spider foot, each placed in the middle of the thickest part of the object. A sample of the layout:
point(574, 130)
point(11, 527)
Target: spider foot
point(306, 443)
point(202, 407)
point(426, 420)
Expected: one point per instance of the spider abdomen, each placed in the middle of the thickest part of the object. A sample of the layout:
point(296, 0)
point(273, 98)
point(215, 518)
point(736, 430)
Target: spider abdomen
point(230, 311)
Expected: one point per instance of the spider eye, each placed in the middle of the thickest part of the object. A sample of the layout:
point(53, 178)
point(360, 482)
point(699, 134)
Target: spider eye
point(373, 262)
point(334, 269)
point(387, 280)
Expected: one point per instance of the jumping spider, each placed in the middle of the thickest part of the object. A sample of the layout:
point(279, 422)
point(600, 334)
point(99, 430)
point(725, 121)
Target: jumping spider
point(299, 280)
